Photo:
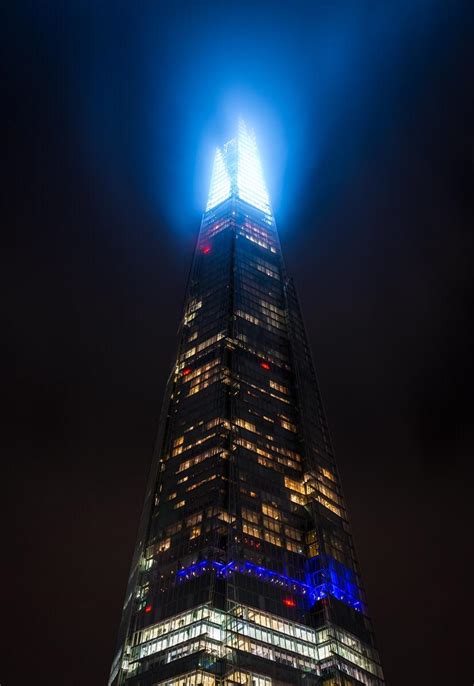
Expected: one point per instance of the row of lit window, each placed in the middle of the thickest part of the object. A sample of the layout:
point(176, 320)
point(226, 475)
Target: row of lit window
point(193, 374)
point(258, 230)
point(292, 461)
point(197, 459)
point(267, 323)
point(206, 380)
point(264, 391)
point(210, 424)
point(192, 487)
point(198, 484)
point(200, 678)
point(193, 524)
point(264, 627)
point(191, 310)
point(244, 424)
point(271, 520)
point(274, 386)
point(286, 424)
point(303, 492)
point(196, 678)
point(267, 269)
point(258, 241)
point(273, 309)
point(270, 464)
point(248, 271)
point(179, 447)
point(202, 346)
point(284, 421)
point(217, 227)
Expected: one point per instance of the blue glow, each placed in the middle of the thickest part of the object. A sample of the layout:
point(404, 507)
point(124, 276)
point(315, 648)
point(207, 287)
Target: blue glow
point(324, 572)
point(325, 576)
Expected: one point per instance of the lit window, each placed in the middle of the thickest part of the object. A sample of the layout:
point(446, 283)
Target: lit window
point(298, 499)
point(294, 547)
point(289, 426)
point(251, 516)
point(198, 458)
point(164, 545)
point(226, 517)
point(201, 483)
point(329, 475)
point(271, 538)
point(279, 387)
point(191, 311)
point(251, 530)
point(295, 485)
point(245, 425)
point(272, 524)
point(270, 511)
point(291, 532)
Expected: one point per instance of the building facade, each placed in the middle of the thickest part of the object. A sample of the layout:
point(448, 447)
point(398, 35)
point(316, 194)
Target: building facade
point(244, 570)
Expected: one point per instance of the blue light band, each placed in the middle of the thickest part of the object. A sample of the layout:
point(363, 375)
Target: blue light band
point(333, 584)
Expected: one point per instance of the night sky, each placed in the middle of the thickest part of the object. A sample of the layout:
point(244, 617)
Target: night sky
point(364, 112)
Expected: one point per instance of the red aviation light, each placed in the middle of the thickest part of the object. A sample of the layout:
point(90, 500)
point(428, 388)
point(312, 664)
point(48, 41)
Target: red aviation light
point(289, 602)
point(265, 365)
point(206, 249)
point(186, 371)
point(148, 608)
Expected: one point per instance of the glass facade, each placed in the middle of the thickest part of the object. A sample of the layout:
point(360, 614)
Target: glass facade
point(244, 570)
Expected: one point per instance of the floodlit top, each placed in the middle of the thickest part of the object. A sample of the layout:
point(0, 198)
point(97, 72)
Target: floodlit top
point(237, 171)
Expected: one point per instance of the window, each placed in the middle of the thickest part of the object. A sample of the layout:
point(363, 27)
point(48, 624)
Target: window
point(286, 424)
point(164, 545)
point(279, 387)
point(251, 530)
point(271, 538)
point(270, 511)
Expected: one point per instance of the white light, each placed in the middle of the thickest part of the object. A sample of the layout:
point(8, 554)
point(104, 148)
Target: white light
point(237, 170)
point(250, 183)
point(220, 182)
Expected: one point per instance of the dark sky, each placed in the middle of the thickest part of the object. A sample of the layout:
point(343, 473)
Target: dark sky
point(365, 116)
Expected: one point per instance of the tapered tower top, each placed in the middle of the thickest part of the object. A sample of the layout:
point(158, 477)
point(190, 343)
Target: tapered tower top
point(237, 172)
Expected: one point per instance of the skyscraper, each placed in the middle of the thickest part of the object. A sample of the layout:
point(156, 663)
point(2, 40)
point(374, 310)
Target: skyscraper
point(244, 570)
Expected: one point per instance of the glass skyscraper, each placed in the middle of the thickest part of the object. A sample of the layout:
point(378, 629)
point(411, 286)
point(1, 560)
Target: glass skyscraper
point(244, 570)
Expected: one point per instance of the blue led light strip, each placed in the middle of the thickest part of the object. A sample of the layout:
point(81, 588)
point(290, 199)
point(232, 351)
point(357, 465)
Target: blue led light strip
point(309, 591)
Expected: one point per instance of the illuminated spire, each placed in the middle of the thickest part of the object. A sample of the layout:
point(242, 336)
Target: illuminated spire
point(237, 171)
point(220, 182)
point(251, 186)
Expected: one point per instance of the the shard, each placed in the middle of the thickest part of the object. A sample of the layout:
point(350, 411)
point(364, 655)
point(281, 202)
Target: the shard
point(244, 570)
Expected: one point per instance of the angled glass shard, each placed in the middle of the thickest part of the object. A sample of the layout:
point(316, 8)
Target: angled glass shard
point(244, 570)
